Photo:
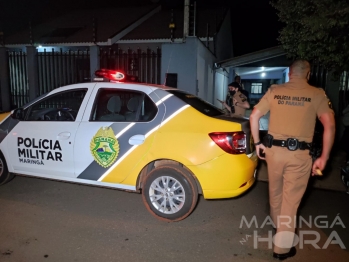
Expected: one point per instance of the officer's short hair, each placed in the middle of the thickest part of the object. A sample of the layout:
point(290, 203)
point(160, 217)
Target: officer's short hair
point(300, 67)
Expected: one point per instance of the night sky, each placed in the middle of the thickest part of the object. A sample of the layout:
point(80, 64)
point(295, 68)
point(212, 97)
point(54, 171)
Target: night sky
point(255, 23)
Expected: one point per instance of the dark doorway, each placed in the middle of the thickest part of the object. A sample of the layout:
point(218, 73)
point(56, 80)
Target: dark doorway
point(171, 80)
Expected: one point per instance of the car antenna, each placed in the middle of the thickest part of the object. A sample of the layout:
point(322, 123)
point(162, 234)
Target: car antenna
point(168, 67)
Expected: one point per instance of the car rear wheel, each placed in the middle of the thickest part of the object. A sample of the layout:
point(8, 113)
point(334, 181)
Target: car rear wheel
point(5, 176)
point(170, 193)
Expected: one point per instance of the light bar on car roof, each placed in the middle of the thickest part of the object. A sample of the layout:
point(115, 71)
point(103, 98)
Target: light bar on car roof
point(111, 75)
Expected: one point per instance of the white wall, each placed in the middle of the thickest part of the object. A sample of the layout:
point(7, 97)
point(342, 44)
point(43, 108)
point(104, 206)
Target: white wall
point(205, 60)
point(210, 76)
point(181, 59)
point(201, 77)
point(193, 62)
point(286, 71)
point(220, 87)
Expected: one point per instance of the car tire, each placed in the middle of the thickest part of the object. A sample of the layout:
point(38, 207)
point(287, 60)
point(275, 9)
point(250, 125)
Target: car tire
point(5, 176)
point(170, 192)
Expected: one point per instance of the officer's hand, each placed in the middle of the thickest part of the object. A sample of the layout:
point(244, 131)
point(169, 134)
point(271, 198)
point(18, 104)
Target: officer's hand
point(260, 149)
point(226, 106)
point(319, 163)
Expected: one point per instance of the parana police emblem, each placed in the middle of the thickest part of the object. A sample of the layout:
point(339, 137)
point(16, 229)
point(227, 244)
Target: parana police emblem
point(104, 147)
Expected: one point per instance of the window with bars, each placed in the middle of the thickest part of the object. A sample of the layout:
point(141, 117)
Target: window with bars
point(256, 88)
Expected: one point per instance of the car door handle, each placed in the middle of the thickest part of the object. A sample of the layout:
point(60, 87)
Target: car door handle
point(136, 140)
point(63, 135)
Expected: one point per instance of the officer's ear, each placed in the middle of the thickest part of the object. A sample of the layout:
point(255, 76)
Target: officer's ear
point(308, 76)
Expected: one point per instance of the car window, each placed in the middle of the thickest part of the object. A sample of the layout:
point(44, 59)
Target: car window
point(62, 106)
point(196, 102)
point(122, 106)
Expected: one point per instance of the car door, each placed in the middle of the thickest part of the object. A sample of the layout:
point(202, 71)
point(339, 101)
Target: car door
point(43, 143)
point(116, 132)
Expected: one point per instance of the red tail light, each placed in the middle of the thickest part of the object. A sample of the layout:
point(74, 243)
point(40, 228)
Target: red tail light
point(230, 142)
point(110, 74)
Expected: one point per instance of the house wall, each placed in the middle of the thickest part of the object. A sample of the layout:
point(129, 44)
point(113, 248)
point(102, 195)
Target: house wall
point(192, 62)
point(181, 60)
point(220, 87)
point(142, 46)
point(285, 72)
point(205, 61)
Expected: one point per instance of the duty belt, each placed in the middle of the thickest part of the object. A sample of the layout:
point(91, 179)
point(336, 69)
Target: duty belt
point(291, 144)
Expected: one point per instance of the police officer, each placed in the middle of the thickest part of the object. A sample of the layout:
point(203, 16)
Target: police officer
point(243, 90)
point(293, 108)
point(236, 102)
point(239, 99)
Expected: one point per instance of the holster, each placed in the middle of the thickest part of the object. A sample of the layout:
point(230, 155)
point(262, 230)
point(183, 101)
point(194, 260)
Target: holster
point(268, 140)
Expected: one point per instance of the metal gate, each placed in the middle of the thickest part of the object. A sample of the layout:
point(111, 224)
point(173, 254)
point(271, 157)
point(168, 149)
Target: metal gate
point(144, 65)
point(18, 78)
point(343, 92)
point(54, 69)
point(59, 68)
point(318, 75)
point(62, 68)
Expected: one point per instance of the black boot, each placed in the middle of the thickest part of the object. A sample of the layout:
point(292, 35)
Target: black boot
point(291, 253)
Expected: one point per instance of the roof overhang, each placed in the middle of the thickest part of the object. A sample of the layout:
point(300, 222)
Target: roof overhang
point(253, 57)
point(135, 41)
point(160, 40)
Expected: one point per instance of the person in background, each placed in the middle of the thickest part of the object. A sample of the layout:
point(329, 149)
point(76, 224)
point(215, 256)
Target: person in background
point(245, 92)
point(236, 103)
point(228, 103)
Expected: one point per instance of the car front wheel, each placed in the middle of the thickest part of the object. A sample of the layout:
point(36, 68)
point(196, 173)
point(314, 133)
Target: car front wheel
point(170, 193)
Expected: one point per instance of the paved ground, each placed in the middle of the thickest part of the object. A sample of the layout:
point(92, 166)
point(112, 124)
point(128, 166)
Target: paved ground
point(42, 220)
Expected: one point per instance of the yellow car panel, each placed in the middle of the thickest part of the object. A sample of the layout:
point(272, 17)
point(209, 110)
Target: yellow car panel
point(220, 175)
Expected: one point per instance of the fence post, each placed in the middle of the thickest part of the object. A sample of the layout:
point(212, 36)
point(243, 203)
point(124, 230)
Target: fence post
point(33, 72)
point(5, 81)
point(94, 60)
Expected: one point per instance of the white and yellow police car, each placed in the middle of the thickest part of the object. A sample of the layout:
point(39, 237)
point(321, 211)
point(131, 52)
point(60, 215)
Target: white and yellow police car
point(167, 144)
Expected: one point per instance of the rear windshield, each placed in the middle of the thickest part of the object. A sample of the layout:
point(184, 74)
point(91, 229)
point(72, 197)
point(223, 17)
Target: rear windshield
point(199, 104)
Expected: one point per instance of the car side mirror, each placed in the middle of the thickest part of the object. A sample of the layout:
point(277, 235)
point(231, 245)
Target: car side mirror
point(18, 114)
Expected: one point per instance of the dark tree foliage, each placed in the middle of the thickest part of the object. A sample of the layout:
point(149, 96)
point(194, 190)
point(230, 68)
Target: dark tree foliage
point(316, 30)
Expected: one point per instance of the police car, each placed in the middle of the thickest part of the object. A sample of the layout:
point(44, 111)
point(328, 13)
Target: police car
point(164, 143)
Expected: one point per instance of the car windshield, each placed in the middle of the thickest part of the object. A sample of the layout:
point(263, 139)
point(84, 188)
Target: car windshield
point(34, 100)
point(196, 102)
